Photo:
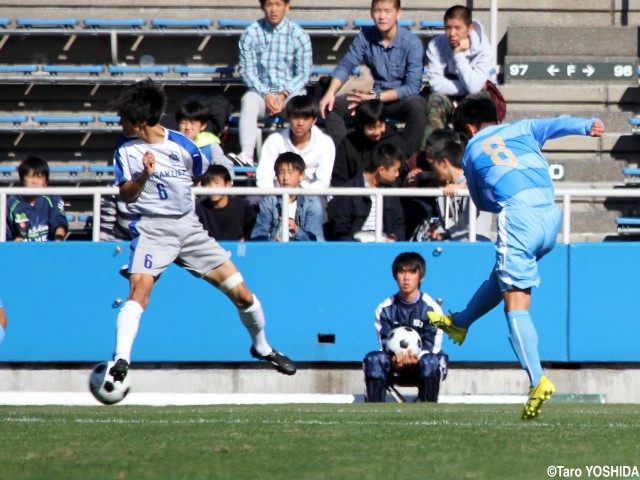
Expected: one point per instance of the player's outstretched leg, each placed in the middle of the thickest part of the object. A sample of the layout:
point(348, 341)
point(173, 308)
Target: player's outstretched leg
point(446, 324)
point(537, 395)
point(230, 282)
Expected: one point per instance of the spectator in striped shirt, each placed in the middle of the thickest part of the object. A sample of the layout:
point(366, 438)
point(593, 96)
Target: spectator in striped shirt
point(275, 64)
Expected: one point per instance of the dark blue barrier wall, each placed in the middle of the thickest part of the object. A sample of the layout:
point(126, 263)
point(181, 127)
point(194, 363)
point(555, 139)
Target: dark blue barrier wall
point(59, 298)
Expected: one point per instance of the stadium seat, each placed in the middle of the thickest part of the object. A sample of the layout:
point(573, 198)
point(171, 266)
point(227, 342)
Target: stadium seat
point(26, 69)
point(58, 23)
point(5, 22)
point(198, 24)
point(101, 170)
point(432, 27)
point(216, 74)
point(130, 23)
point(45, 120)
point(16, 120)
point(628, 225)
point(635, 125)
point(7, 170)
point(118, 70)
point(71, 218)
point(322, 26)
point(89, 69)
point(234, 25)
point(631, 176)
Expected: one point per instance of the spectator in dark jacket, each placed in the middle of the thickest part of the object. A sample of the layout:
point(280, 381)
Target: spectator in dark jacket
point(355, 217)
point(354, 152)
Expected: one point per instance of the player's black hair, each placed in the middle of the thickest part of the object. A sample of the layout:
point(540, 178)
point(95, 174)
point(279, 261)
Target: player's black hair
point(474, 110)
point(385, 155)
point(35, 165)
point(192, 109)
point(370, 112)
point(447, 145)
point(302, 106)
point(411, 261)
point(459, 12)
point(290, 158)
point(214, 171)
point(396, 3)
point(140, 101)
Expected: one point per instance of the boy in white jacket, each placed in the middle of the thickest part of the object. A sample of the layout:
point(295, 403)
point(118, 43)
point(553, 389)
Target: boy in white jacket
point(301, 137)
point(460, 64)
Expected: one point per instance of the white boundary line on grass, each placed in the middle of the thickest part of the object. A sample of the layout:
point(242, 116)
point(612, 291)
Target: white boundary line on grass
point(164, 399)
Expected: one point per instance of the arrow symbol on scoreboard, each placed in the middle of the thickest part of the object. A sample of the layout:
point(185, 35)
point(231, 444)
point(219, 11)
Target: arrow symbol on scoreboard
point(588, 70)
point(552, 70)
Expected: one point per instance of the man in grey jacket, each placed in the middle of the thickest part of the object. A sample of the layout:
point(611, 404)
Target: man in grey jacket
point(460, 64)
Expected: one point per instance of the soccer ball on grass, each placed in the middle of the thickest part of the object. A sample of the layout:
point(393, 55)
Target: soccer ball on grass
point(402, 338)
point(104, 388)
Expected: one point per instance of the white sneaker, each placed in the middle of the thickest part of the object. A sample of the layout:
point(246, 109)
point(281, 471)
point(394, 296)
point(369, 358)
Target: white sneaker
point(241, 159)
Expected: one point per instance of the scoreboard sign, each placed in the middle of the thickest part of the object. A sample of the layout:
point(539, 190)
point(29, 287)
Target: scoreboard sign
point(570, 71)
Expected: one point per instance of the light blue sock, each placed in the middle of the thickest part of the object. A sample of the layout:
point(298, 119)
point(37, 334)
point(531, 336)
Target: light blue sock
point(1, 334)
point(486, 298)
point(524, 340)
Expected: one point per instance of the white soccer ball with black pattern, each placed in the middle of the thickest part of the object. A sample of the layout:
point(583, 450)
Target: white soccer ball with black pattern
point(104, 388)
point(402, 338)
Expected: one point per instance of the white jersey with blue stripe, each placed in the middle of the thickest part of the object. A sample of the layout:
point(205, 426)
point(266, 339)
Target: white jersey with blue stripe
point(168, 190)
point(504, 165)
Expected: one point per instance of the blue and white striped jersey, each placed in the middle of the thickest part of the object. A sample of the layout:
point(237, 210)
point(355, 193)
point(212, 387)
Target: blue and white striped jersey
point(504, 166)
point(168, 191)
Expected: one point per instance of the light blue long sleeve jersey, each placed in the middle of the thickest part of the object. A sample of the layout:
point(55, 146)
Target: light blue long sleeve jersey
point(504, 165)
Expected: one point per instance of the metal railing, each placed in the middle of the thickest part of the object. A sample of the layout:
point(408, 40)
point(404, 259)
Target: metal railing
point(566, 196)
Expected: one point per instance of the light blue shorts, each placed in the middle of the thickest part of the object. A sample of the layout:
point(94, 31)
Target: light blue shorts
point(525, 235)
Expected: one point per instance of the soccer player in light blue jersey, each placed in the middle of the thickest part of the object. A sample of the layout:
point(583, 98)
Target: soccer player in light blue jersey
point(155, 168)
point(507, 174)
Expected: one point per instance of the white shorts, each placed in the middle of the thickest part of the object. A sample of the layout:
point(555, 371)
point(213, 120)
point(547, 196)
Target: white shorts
point(161, 241)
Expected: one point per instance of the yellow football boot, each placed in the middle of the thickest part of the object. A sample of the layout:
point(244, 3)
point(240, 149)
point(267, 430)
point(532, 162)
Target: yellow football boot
point(537, 395)
point(445, 323)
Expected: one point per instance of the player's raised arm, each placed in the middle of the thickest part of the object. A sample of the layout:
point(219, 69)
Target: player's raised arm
point(131, 190)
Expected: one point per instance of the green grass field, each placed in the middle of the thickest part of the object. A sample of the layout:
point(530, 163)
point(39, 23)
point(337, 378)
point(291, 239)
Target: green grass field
point(355, 441)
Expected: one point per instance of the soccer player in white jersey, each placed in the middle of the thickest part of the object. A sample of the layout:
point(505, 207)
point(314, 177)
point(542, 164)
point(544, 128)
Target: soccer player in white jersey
point(507, 174)
point(154, 170)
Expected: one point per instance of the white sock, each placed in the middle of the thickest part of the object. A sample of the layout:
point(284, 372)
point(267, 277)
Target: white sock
point(253, 320)
point(126, 329)
point(1, 334)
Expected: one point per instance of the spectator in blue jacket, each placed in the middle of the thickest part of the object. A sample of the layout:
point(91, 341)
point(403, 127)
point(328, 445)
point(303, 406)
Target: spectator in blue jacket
point(396, 60)
point(304, 213)
point(35, 218)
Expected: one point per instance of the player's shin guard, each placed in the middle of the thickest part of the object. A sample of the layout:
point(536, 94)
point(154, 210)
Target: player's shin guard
point(524, 340)
point(126, 329)
point(429, 381)
point(252, 318)
point(486, 298)
point(377, 368)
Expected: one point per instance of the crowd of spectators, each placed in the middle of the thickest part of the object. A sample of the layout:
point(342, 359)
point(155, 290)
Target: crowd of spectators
point(336, 135)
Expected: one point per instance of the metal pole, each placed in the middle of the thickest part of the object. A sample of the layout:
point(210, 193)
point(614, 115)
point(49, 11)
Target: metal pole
point(494, 31)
